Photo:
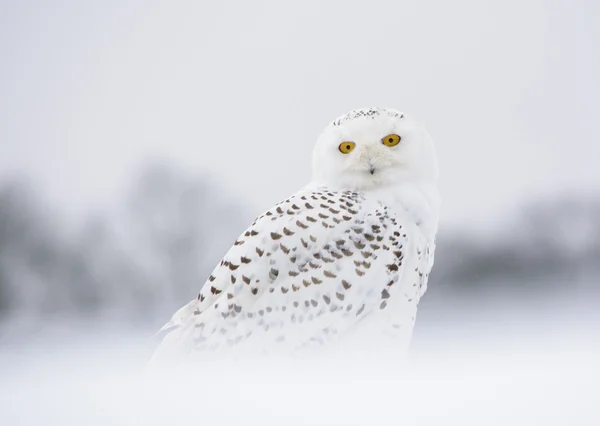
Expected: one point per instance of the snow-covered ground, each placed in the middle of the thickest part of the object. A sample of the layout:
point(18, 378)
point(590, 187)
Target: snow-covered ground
point(511, 376)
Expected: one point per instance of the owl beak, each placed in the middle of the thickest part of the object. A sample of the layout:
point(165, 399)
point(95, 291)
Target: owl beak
point(371, 166)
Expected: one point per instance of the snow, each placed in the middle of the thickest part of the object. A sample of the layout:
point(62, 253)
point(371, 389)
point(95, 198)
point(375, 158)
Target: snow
point(514, 377)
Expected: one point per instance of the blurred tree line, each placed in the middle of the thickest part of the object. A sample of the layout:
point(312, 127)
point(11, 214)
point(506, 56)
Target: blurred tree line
point(153, 256)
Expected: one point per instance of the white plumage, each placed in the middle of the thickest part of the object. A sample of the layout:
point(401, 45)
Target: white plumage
point(346, 257)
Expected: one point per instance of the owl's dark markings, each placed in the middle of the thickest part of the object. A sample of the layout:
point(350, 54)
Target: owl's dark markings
point(301, 225)
point(360, 311)
point(359, 245)
point(329, 274)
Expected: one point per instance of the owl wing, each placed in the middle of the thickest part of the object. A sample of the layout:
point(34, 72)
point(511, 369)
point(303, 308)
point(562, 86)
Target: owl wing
point(303, 273)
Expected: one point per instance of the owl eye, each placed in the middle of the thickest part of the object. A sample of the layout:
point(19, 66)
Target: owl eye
point(346, 147)
point(391, 140)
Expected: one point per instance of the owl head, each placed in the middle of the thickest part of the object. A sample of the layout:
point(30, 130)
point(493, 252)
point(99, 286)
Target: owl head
point(374, 148)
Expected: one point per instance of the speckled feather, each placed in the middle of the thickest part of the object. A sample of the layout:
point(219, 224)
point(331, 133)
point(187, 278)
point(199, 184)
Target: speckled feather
point(306, 271)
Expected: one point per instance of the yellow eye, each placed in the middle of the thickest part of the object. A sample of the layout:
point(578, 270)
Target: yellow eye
point(346, 147)
point(391, 140)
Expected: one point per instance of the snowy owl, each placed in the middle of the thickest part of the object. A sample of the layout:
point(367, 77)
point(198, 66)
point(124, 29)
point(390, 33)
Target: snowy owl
point(348, 255)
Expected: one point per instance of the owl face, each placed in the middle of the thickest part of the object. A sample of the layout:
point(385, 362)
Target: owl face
point(374, 148)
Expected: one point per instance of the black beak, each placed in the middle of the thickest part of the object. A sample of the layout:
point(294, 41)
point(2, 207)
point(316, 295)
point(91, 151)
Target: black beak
point(372, 170)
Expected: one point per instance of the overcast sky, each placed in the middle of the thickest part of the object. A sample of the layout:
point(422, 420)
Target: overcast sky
point(90, 90)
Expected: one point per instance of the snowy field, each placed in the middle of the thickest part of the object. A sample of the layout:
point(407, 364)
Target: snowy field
point(526, 376)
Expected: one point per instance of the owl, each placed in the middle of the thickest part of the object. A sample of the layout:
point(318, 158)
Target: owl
point(344, 259)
